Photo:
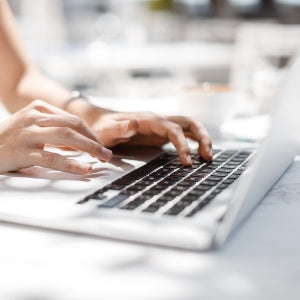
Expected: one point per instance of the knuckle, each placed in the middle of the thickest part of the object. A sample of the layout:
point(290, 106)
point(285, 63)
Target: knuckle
point(95, 148)
point(68, 165)
point(50, 159)
point(26, 134)
point(31, 116)
point(78, 123)
point(175, 128)
point(66, 132)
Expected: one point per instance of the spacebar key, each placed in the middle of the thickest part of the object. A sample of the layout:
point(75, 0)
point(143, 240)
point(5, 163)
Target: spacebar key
point(114, 201)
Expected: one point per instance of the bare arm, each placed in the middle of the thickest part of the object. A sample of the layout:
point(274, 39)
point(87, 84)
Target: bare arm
point(21, 83)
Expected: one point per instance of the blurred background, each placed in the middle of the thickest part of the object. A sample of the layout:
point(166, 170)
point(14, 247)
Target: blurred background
point(152, 49)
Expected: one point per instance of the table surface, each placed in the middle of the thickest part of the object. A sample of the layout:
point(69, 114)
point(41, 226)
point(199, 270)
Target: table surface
point(260, 261)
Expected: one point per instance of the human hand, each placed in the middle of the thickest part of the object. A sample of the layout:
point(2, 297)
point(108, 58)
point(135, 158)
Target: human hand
point(24, 135)
point(146, 128)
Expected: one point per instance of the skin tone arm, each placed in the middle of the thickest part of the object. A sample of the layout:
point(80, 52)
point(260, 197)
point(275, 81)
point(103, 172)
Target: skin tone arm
point(21, 83)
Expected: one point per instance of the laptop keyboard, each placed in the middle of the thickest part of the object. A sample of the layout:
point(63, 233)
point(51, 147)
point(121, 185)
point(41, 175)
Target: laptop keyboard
point(164, 186)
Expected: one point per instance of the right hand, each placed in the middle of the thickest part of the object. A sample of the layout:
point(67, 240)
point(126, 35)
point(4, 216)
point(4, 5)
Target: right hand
point(24, 135)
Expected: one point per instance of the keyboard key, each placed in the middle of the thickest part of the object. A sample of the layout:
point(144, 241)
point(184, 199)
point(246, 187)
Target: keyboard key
point(97, 196)
point(175, 210)
point(165, 198)
point(116, 200)
point(135, 203)
point(115, 186)
point(179, 188)
point(152, 208)
point(190, 197)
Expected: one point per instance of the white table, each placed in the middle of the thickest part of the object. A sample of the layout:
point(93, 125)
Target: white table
point(261, 261)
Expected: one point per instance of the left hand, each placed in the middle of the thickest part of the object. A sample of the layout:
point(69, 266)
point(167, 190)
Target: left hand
point(147, 128)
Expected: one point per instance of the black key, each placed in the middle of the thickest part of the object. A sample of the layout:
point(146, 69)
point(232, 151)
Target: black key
point(123, 181)
point(225, 170)
point(198, 174)
point(165, 198)
point(175, 210)
point(134, 188)
point(115, 186)
point(196, 177)
point(229, 181)
point(223, 185)
point(169, 181)
point(84, 200)
point(206, 171)
point(203, 187)
point(97, 196)
point(200, 206)
point(179, 188)
point(190, 197)
point(234, 176)
point(138, 187)
point(147, 168)
point(129, 192)
point(220, 174)
point(116, 200)
point(145, 182)
point(199, 192)
point(154, 191)
point(219, 159)
point(215, 178)
point(188, 184)
point(185, 202)
point(170, 167)
point(181, 172)
point(244, 153)
point(173, 193)
point(208, 182)
point(129, 206)
point(152, 208)
point(160, 202)
point(161, 186)
point(135, 203)
point(230, 166)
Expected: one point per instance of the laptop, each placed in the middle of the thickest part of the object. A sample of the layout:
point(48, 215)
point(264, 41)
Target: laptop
point(165, 204)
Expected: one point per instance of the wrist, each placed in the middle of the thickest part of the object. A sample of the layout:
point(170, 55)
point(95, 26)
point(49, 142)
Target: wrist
point(79, 105)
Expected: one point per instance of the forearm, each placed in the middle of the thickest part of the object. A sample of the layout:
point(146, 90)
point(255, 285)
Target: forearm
point(21, 82)
point(34, 85)
point(30, 86)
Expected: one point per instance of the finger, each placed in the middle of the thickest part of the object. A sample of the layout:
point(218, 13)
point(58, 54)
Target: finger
point(58, 162)
point(45, 107)
point(59, 120)
point(175, 134)
point(68, 137)
point(198, 133)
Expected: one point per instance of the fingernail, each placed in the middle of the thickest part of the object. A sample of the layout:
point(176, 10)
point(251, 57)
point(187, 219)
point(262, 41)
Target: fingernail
point(106, 153)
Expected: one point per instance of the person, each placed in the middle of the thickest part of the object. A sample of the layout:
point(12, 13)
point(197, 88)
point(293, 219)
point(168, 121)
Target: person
point(60, 119)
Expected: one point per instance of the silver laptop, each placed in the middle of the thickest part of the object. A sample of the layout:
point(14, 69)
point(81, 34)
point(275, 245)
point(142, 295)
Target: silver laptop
point(166, 204)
